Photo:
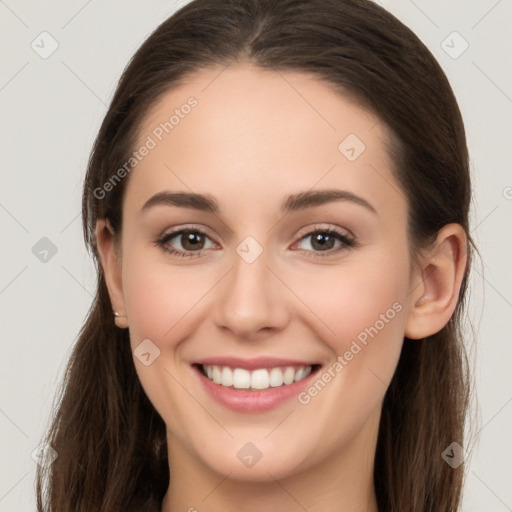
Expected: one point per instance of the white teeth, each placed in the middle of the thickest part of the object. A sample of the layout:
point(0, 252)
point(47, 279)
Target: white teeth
point(260, 379)
point(216, 375)
point(241, 378)
point(226, 376)
point(276, 377)
point(302, 373)
point(289, 375)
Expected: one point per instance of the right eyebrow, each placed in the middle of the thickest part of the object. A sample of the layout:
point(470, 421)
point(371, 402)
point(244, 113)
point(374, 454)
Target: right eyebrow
point(201, 202)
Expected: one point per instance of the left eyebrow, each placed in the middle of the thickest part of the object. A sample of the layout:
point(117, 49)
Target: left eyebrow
point(294, 202)
point(310, 198)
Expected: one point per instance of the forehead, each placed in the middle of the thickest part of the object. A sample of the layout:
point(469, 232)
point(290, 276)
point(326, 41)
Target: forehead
point(257, 131)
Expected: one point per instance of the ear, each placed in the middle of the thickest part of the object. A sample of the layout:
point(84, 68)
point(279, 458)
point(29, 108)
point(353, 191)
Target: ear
point(110, 257)
point(436, 283)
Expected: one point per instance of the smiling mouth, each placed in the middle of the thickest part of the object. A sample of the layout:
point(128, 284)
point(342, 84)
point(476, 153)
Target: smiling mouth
point(258, 379)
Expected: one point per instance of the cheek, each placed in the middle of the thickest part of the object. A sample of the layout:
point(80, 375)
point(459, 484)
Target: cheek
point(356, 299)
point(158, 297)
point(160, 302)
point(363, 311)
point(367, 310)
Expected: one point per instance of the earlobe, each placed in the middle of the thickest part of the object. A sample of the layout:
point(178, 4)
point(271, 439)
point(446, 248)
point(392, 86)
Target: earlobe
point(435, 294)
point(111, 264)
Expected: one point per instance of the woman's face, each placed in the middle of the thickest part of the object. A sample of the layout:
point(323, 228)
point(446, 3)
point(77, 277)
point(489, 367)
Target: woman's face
point(294, 267)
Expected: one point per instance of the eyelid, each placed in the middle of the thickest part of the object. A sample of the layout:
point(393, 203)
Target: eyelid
point(336, 231)
point(344, 236)
point(177, 230)
point(187, 227)
point(326, 227)
point(303, 232)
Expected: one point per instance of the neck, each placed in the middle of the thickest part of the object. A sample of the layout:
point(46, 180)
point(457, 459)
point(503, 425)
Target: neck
point(342, 482)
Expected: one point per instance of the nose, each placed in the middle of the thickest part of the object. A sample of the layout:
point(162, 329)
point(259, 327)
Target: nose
point(252, 299)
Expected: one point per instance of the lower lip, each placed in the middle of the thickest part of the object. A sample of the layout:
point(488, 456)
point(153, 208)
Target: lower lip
point(241, 400)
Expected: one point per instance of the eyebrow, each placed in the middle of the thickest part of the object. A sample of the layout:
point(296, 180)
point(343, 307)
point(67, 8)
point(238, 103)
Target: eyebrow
point(294, 202)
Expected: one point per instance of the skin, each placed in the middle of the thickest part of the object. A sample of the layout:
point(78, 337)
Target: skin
point(254, 138)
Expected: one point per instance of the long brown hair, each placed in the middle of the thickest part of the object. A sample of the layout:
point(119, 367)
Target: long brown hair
point(111, 443)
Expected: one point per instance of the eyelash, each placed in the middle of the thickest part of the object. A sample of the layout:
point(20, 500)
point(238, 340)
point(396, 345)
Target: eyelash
point(347, 242)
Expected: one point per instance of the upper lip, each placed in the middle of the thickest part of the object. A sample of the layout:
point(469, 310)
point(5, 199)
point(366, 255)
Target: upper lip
point(252, 364)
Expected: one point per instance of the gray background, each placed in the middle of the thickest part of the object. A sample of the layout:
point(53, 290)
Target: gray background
point(51, 110)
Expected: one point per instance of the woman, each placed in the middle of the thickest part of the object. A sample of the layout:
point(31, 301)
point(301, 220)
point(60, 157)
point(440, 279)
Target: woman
point(277, 202)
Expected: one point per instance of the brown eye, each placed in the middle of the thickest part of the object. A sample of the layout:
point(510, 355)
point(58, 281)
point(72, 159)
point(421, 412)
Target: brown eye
point(192, 240)
point(329, 241)
point(185, 242)
point(323, 241)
